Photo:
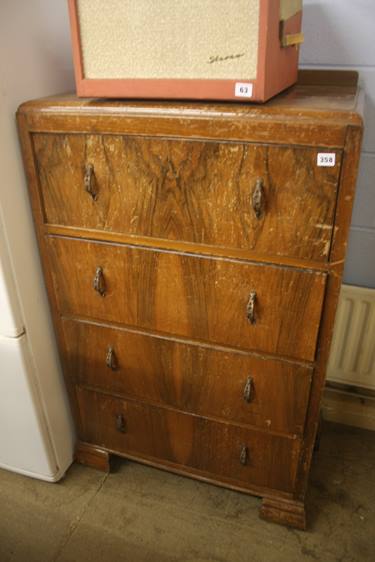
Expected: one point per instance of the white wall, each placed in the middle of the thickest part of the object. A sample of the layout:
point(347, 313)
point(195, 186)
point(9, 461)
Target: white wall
point(35, 61)
point(341, 34)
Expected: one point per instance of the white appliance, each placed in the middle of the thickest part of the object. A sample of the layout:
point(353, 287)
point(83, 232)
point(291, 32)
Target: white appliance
point(36, 432)
point(28, 444)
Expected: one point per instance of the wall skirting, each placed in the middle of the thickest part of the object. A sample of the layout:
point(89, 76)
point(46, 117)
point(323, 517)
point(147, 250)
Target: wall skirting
point(349, 408)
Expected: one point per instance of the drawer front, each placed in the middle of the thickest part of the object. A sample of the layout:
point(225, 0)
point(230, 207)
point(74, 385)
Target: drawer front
point(272, 200)
point(238, 386)
point(251, 306)
point(188, 441)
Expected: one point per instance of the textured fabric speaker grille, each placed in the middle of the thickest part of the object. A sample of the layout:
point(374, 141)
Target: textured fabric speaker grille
point(212, 39)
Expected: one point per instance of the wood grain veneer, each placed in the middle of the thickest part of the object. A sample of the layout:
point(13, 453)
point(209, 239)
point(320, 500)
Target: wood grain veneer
point(192, 296)
point(188, 441)
point(173, 231)
point(203, 380)
point(191, 191)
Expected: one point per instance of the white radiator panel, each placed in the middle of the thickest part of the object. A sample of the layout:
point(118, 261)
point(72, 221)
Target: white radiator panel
point(352, 358)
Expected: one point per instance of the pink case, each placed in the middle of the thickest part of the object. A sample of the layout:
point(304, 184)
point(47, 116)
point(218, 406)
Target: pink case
point(277, 66)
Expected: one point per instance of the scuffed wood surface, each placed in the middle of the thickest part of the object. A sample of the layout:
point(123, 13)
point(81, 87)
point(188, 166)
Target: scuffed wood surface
point(199, 192)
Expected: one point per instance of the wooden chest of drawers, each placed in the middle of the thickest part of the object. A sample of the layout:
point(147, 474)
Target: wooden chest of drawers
point(193, 256)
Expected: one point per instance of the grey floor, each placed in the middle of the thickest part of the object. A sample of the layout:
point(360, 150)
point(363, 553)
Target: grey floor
point(143, 514)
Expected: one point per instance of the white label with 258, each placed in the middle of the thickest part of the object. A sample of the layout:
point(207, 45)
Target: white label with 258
point(326, 159)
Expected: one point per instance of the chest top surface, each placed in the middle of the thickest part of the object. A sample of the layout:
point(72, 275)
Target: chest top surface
point(329, 97)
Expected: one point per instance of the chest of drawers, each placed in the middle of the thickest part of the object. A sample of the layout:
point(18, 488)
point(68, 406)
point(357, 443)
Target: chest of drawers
point(193, 256)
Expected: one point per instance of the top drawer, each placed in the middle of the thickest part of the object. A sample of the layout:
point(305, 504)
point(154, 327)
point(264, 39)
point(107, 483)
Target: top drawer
point(272, 200)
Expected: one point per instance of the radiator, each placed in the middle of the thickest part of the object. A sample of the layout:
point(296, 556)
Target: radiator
point(352, 358)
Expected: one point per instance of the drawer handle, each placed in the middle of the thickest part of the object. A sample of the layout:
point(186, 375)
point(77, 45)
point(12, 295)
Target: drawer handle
point(99, 282)
point(244, 455)
point(111, 359)
point(120, 423)
point(250, 309)
point(247, 391)
point(89, 181)
point(257, 199)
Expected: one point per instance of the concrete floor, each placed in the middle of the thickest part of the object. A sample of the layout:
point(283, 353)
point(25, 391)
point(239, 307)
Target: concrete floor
point(142, 514)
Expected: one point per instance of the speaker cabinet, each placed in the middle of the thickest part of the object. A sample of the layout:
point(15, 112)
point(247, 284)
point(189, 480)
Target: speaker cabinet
point(244, 50)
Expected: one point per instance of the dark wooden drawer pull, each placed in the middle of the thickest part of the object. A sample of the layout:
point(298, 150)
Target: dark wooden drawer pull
point(251, 307)
point(247, 390)
point(111, 359)
point(99, 282)
point(244, 455)
point(257, 198)
point(120, 423)
point(89, 181)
